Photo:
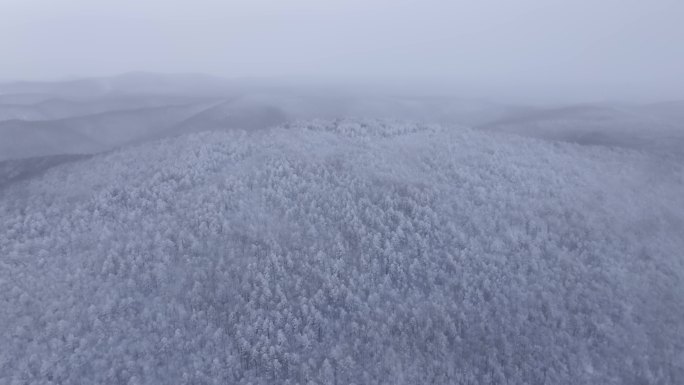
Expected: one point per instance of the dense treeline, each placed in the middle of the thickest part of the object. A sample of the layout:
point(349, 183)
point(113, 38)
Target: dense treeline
point(345, 252)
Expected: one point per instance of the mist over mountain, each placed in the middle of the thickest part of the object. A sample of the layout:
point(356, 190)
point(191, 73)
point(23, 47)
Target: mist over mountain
point(102, 113)
point(158, 227)
point(341, 192)
point(93, 115)
point(658, 129)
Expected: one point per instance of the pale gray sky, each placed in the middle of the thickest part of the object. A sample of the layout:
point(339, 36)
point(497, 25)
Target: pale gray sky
point(617, 46)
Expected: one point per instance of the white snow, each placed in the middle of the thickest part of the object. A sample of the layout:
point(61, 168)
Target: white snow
point(345, 252)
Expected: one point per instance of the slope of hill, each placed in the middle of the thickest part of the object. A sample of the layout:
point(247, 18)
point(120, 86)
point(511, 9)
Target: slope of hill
point(56, 108)
point(23, 99)
point(345, 252)
point(672, 110)
point(12, 171)
point(444, 110)
point(652, 128)
point(335, 104)
point(231, 115)
point(21, 112)
point(128, 83)
point(89, 134)
point(34, 139)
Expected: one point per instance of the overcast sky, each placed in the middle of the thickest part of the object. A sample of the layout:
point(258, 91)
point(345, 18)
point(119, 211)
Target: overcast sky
point(619, 46)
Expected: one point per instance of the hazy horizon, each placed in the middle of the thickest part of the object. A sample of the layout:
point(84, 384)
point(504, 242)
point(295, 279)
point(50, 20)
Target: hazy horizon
point(530, 94)
point(531, 49)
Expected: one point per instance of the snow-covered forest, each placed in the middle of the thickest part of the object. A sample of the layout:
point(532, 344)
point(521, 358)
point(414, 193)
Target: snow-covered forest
point(341, 192)
point(345, 251)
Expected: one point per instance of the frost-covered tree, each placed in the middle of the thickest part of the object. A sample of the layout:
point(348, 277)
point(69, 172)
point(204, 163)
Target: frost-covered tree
point(344, 252)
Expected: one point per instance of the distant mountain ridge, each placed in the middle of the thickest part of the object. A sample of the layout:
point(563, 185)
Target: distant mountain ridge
point(33, 115)
point(654, 128)
point(133, 82)
point(88, 134)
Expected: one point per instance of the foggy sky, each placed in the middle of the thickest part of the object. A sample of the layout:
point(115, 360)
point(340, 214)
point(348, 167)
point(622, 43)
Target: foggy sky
point(605, 47)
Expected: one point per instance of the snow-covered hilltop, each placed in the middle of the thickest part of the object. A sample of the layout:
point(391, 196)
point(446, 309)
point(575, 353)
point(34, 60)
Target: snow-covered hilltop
point(340, 252)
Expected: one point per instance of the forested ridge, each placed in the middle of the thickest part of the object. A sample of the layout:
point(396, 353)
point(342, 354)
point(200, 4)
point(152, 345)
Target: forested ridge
point(345, 252)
